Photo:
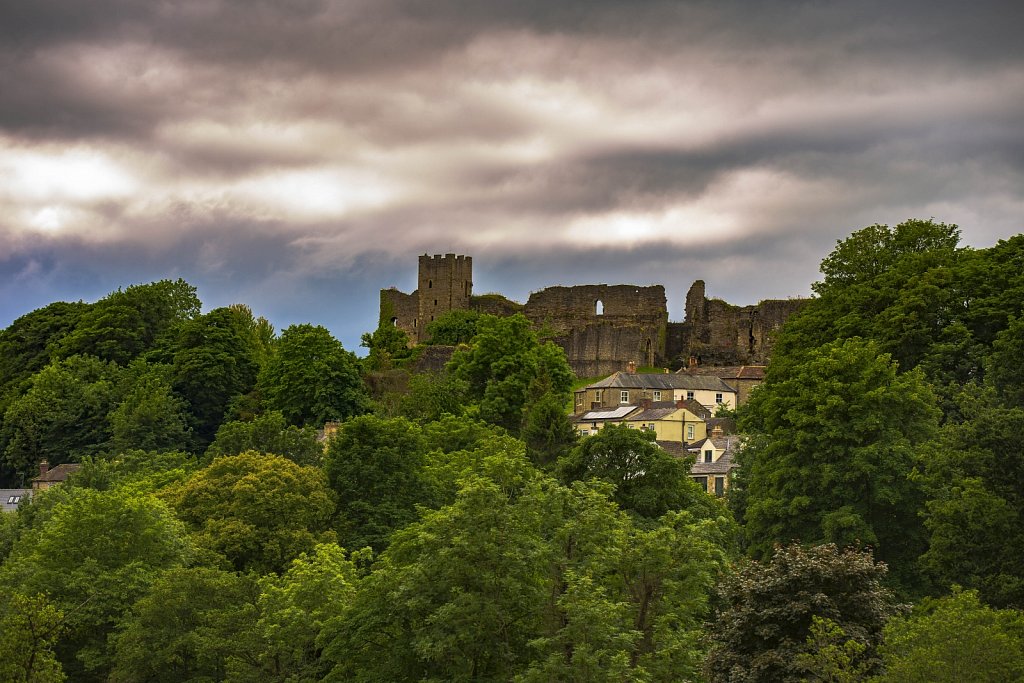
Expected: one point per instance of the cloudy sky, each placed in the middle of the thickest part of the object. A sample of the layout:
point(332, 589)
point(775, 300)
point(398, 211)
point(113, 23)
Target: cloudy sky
point(297, 155)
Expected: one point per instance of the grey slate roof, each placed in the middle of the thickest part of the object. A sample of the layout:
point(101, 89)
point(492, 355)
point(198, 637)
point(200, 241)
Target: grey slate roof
point(9, 498)
point(651, 380)
point(753, 372)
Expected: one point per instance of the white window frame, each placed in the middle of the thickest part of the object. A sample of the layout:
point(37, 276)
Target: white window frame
point(690, 431)
point(657, 395)
point(623, 396)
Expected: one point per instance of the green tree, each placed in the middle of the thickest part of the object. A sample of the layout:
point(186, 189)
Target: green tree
point(840, 437)
point(214, 359)
point(29, 629)
point(647, 480)
point(63, 415)
point(761, 631)
point(547, 431)
point(388, 344)
point(453, 328)
point(431, 395)
point(831, 656)
point(375, 465)
point(93, 555)
point(127, 323)
point(952, 639)
point(312, 379)
point(269, 433)
point(150, 416)
point(257, 511)
point(187, 627)
point(1006, 369)
point(507, 368)
point(26, 345)
point(293, 610)
point(972, 475)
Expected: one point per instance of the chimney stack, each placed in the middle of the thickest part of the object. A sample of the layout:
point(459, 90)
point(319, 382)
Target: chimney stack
point(693, 362)
point(716, 431)
point(631, 367)
point(44, 467)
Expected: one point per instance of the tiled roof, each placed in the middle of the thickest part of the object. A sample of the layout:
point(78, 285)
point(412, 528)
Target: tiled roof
point(727, 372)
point(651, 380)
point(652, 414)
point(59, 473)
point(720, 466)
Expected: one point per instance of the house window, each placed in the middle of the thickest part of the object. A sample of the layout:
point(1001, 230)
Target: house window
point(719, 486)
point(689, 432)
point(595, 426)
point(623, 397)
point(597, 395)
point(702, 482)
point(13, 500)
point(585, 432)
point(657, 395)
point(718, 398)
point(689, 395)
point(708, 455)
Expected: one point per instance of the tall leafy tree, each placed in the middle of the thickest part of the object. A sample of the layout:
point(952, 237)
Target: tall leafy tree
point(507, 368)
point(269, 433)
point(149, 416)
point(259, 512)
point(29, 629)
point(312, 379)
point(128, 322)
point(952, 639)
point(93, 555)
point(214, 358)
point(840, 437)
point(767, 612)
point(62, 417)
point(375, 465)
point(647, 480)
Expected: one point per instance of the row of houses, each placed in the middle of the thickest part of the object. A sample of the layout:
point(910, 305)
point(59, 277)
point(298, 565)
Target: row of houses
point(679, 408)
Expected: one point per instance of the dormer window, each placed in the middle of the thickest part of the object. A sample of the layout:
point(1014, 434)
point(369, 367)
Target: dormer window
point(708, 455)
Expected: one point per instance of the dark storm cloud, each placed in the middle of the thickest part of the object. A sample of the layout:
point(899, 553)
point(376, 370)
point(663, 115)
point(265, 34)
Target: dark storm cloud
point(299, 154)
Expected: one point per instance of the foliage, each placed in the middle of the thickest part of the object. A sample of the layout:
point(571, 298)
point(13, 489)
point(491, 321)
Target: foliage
point(257, 511)
point(269, 433)
point(974, 476)
point(507, 368)
point(135, 472)
point(842, 422)
point(96, 553)
point(150, 416)
point(187, 627)
point(768, 611)
point(29, 629)
point(214, 358)
point(63, 415)
point(647, 480)
point(375, 466)
point(453, 328)
point(432, 395)
point(293, 610)
point(547, 432)
point(952, 639)
point(831, 656)
point(127, 323)
point(523, 578)
point(312, 378)
point(26, 345)
point(389, 345)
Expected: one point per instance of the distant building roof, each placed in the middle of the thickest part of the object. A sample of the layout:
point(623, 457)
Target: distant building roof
point(58, 473)
point(651, 380)
point(9, 498)
point(726, 372)
point(608, 414)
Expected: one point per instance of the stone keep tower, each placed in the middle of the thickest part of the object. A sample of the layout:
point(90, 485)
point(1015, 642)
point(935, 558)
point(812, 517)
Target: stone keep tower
point(445, 284)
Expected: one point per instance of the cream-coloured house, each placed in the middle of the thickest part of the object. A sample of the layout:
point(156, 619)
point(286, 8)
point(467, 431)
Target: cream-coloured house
point(714, 463)
point(626, 388)
point(669, 422)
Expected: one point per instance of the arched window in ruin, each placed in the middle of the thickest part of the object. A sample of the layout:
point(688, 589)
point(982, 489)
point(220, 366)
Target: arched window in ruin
point(394, 321)
point(647, 353)
point(430, 284)
point(599, 307)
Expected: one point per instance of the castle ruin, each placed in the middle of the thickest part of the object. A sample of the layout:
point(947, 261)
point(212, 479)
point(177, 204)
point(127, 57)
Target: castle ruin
point(602, 328)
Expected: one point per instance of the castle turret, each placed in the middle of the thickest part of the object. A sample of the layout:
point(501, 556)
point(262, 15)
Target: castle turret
point(445, 284)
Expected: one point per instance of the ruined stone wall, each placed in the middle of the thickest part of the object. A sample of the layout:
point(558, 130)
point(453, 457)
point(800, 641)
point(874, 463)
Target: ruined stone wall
point(400, 309)
point(494, 304)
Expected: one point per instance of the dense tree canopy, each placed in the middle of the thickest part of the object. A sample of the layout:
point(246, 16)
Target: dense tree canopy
point(312, 378)
point(841, 432)
point(507, 368)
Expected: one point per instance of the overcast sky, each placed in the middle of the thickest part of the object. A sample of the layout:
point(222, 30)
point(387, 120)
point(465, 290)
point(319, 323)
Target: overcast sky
point(299, 155)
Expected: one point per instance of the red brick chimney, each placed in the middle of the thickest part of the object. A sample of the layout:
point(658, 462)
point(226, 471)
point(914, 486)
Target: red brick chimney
point(716, 431)
point(631, 367)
